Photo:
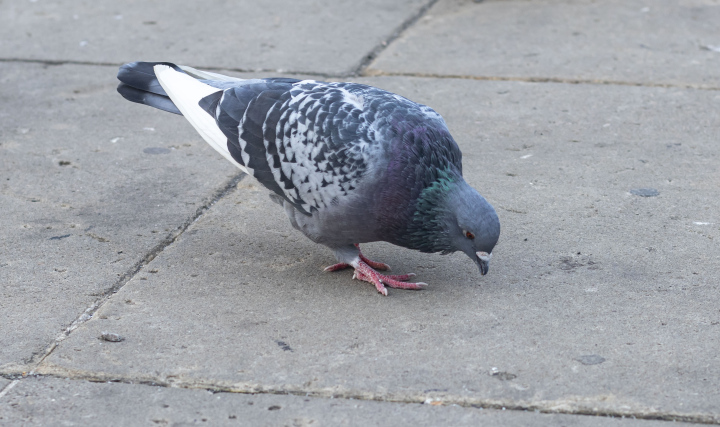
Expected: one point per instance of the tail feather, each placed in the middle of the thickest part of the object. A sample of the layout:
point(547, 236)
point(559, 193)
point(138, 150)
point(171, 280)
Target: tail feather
point(139, 84)
point(186, 93)
point(180, 90)
point(141, 75)
point(148, 98)
point(206, 75)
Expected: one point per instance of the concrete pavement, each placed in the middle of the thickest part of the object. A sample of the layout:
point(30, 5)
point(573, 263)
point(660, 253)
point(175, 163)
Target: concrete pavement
point(619, 42)
point(42, 401)
point(325, 37)
point(120, 219)
point(79, 219)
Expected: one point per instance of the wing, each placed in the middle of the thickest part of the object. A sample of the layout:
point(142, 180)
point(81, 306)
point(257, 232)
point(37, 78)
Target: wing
point(309, 142)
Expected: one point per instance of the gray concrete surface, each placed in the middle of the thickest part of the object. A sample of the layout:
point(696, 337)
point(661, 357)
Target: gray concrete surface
point(50, 401)
point(84, 198)
point(603, 272)
point(657, 42)
point(599, 301)
point(312, 36)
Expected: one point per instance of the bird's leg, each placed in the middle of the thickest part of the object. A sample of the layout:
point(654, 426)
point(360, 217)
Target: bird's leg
point(364, 272)
point(373, 264)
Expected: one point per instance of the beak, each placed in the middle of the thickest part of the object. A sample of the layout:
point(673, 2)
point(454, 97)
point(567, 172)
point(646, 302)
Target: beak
point(483, 261)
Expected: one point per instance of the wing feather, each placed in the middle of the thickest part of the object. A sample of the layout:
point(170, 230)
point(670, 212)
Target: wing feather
point(186, 93)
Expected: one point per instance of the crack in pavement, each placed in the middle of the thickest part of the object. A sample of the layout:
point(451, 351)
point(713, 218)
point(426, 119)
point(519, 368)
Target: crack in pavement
point(380, 73)
point(573, 405)
point(365, 72)
point(355, 71)
point(57, 62)
point(37, 358)
point(377, 50)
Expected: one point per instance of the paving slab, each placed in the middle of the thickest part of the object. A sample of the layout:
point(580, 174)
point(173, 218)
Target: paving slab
point(311, 36)
point(663, 42)
point(45, 401)
point(89, 185)
point(598, 300)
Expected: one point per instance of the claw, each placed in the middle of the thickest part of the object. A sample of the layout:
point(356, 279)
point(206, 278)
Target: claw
point(376, 265)
point(337, 267)
point(365, 271)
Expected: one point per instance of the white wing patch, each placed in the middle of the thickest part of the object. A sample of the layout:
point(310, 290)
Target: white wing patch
point(185, 92)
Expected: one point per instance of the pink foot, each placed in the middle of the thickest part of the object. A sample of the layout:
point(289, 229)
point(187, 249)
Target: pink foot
point(399, 277)
point(337, 267)
point(373, 264)
point(365, 270)
point(366, 273)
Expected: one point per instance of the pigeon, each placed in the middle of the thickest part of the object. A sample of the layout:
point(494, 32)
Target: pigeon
point(348, 163)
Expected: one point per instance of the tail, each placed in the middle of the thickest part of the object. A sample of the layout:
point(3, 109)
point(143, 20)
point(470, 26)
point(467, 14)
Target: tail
point(178, 89)
point(139, 84)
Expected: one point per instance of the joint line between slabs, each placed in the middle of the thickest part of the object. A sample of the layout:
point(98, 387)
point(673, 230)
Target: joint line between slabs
point(380, 73)
point(380, 47)
point(544, 408)
point(58, 62)
point(363, 70)
point(356, 71)
point(171, 238)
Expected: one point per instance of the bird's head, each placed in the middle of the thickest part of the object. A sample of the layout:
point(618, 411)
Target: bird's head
point(473, 224)
point(451, 216)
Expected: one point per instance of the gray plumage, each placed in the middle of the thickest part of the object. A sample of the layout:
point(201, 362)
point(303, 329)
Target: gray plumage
point(349, 163)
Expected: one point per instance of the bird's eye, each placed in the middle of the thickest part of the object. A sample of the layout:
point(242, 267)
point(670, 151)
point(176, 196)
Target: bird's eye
point(469, 235)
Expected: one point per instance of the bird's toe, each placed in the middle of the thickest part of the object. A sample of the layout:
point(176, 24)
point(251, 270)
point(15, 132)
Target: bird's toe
point(337, 267)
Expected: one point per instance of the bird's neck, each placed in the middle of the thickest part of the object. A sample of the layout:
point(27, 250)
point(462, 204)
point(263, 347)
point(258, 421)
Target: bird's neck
point(423, 164)
point(429, 227)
